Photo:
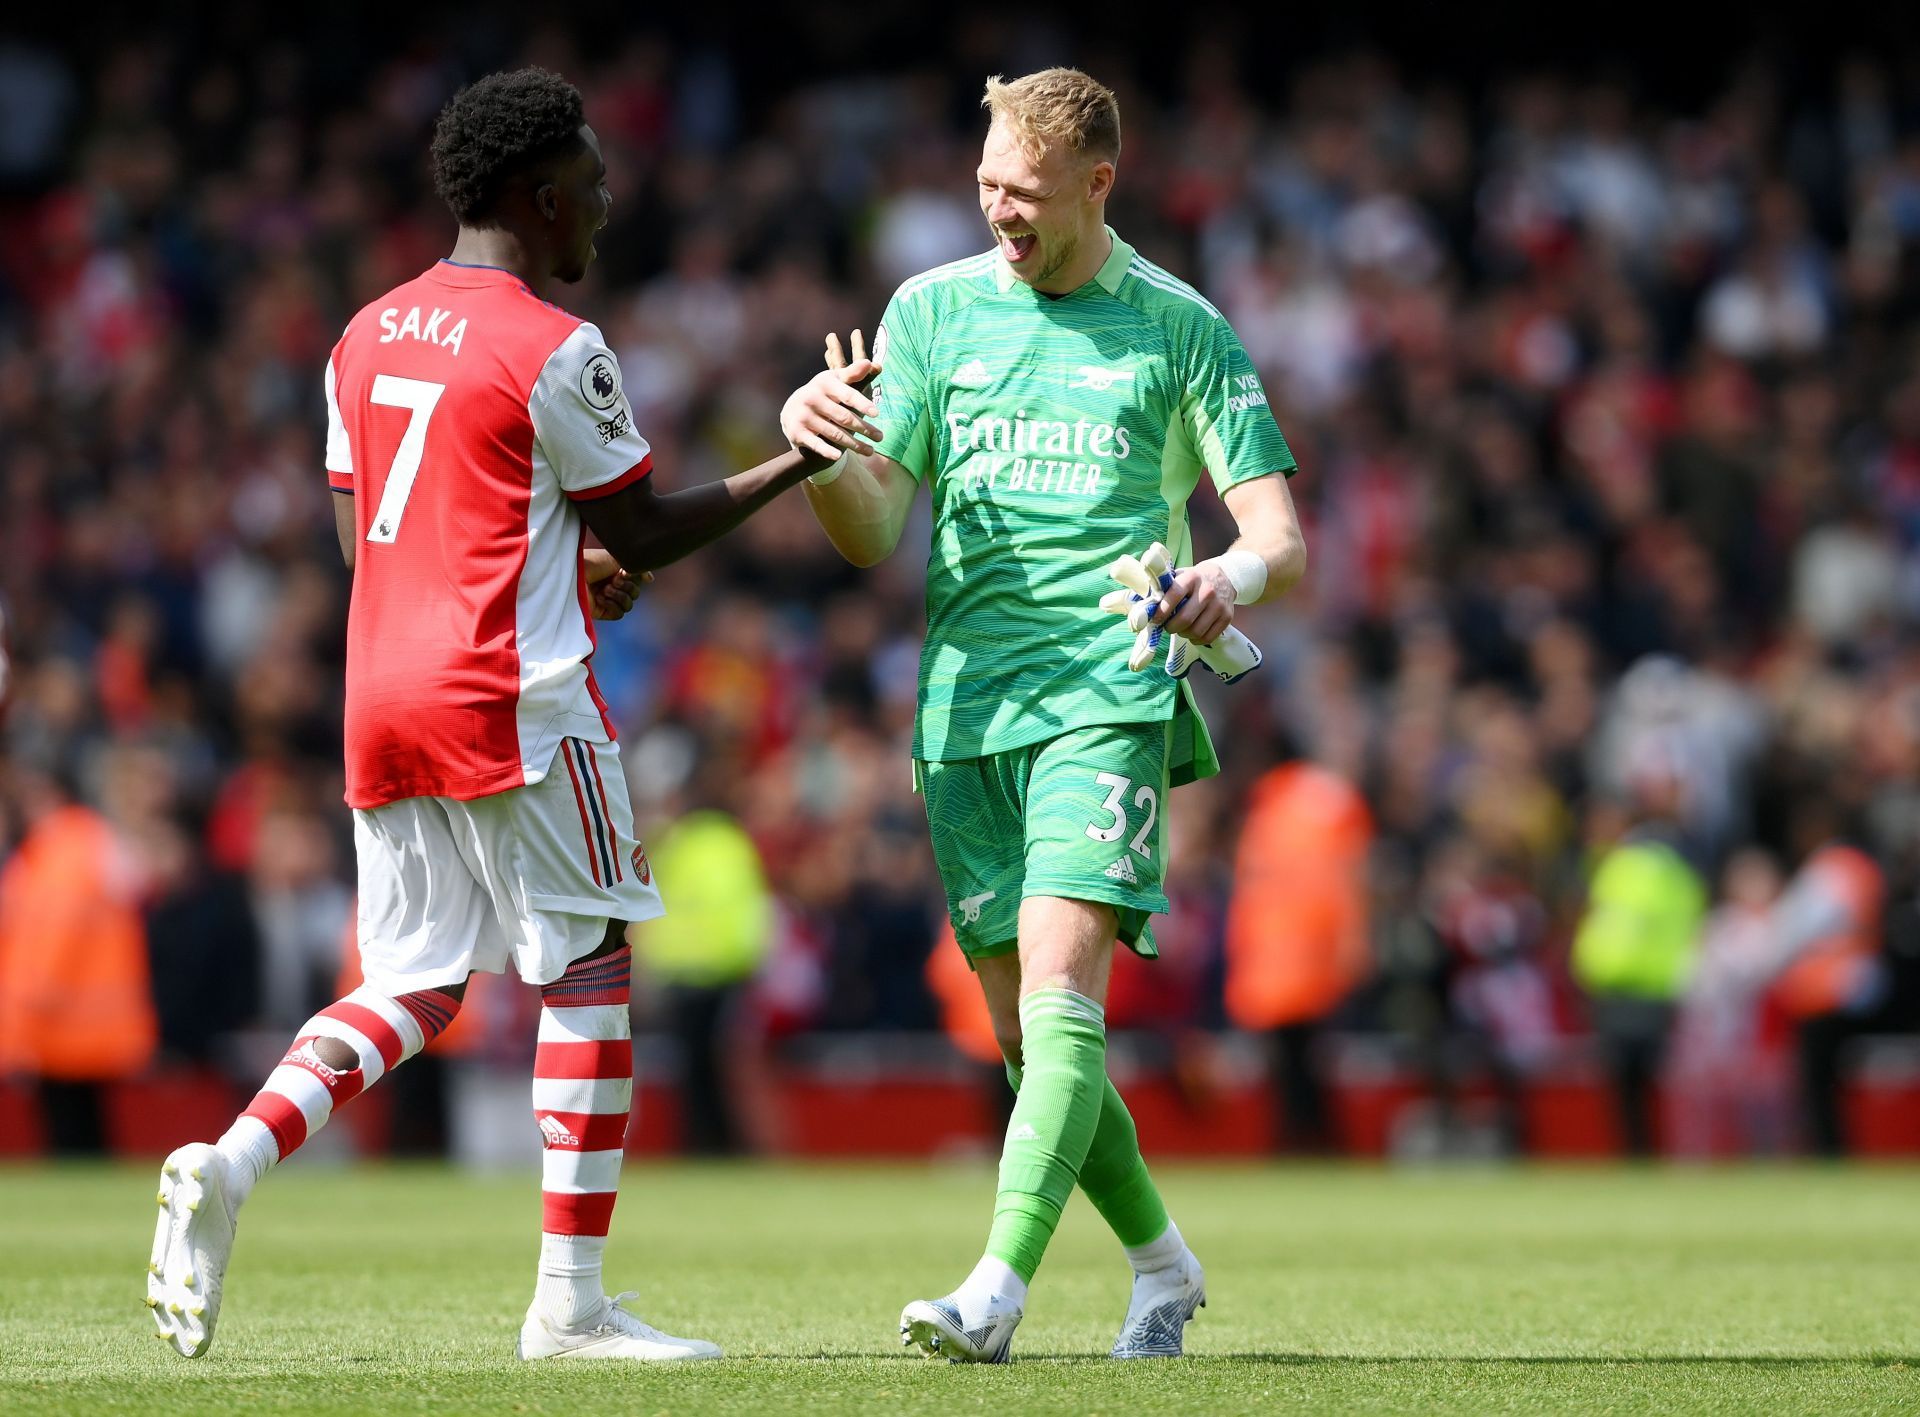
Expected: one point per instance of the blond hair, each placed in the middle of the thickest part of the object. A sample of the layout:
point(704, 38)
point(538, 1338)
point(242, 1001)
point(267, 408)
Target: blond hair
point(1053, 106)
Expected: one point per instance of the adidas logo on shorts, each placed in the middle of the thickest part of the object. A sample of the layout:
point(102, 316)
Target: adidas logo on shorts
point(1023, 1132)
point(1122, 870)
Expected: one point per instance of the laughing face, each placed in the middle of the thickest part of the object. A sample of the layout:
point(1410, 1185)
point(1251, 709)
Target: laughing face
point(1041, 212)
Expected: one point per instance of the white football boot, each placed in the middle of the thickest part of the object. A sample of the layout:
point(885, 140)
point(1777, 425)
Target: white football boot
point(942, 1330)
point(1164, 1303)
point(191, 1246)
point(617, 1334)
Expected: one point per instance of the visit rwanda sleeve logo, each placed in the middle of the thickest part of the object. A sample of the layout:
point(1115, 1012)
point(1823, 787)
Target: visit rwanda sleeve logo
point(1246, 393)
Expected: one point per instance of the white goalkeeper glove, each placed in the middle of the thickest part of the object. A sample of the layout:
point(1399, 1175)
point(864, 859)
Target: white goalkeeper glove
point(1232, 656)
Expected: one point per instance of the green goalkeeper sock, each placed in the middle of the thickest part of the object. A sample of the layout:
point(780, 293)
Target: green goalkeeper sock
point(1115, 1178)
point(1114, 1175)
point(1064, 1046)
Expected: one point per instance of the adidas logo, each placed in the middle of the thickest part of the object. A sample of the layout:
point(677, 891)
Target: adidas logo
point(1023, 1132)
point(554, 1133)
point(305, 1055)
point(972, 375)
point(1122, 870)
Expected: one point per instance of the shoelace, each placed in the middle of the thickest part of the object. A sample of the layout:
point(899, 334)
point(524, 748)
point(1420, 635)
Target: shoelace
point(632, 1325)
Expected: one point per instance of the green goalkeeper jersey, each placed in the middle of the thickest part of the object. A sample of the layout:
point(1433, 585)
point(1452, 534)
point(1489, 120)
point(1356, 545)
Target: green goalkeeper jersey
point(1056, 433)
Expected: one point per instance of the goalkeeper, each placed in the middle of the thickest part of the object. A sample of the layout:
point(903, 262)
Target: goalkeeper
point(1060, 397)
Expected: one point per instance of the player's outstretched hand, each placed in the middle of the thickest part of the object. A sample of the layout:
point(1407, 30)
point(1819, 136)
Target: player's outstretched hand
point(612, 589)
point(827, 414)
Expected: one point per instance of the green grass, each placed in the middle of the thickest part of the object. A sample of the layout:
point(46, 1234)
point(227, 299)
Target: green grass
point(399, 1290)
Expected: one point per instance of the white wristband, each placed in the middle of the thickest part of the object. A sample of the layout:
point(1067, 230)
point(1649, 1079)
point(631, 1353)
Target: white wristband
point(829, 473)
point(1245, 572)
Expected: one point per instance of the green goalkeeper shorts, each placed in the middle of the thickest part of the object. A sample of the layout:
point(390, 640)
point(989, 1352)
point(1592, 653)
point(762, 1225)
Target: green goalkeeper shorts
point(1082, 816)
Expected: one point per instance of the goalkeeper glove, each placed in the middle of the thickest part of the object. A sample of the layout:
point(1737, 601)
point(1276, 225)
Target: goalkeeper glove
point(1232, 656)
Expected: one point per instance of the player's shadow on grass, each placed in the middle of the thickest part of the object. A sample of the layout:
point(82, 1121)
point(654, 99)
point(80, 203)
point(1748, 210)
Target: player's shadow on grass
point(1308, 1360)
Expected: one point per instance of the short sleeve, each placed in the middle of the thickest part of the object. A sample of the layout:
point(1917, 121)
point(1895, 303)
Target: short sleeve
point(1226, 415)
point(339, 456)
point(582, 421)
point(903, 411)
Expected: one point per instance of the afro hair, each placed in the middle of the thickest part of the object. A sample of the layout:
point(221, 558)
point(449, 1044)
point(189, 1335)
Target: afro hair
point(499, 128)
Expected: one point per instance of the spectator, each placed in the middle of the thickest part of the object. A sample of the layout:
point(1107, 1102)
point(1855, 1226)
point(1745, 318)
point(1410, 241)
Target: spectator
point(701, 953)
point(968, 1026)
point(76, 1008)
point(1634, 953)
point(1728, 1072)
point(1491, 927)
point(302, 907)
point(203, 946)
point(1827, 932)
point(1297, 933)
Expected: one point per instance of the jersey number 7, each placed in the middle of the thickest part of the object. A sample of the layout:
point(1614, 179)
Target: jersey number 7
point(419, 397)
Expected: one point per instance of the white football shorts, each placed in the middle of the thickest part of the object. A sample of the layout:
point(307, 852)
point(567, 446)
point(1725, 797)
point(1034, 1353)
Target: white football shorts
point(531, 875)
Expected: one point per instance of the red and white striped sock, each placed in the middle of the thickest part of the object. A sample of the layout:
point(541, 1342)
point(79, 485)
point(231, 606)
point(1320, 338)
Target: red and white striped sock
point(300, 1095)
point(582, 1094)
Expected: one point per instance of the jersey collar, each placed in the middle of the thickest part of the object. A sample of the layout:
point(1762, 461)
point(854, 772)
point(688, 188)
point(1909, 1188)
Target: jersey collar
point(467, 274)
point(1108, 277)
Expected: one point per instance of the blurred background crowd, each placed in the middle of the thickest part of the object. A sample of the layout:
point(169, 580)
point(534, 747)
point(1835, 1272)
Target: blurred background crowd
point(1592, 740)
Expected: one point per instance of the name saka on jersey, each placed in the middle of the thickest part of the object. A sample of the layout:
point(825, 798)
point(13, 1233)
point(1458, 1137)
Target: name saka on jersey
point(412, 327)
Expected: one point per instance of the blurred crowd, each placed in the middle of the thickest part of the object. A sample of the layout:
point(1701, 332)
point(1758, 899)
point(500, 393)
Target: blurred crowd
point(1593, 733)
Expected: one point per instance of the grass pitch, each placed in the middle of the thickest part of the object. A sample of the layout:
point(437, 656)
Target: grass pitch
point(400, 1290)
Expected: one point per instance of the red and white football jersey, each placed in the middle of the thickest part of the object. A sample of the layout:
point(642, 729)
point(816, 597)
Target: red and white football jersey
point(466, 415)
